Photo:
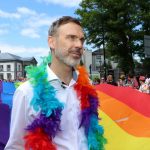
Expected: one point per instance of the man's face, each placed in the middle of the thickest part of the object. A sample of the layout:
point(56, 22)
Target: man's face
point(68, 44)
point(109, 78)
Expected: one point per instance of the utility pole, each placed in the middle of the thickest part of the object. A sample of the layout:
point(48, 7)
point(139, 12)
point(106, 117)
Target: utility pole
point(90, 68)
point(100, 63)
point(103, 39)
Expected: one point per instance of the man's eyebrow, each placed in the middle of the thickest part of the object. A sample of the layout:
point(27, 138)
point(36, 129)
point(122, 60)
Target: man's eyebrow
point(73, 35)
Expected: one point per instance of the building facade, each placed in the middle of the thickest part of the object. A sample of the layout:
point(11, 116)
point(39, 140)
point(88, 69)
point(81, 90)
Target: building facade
point(12, 67)
point(147, 46)
point(87, 60)
point(98, 64)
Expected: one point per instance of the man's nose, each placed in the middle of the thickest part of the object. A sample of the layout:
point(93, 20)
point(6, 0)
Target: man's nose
point(79, 43)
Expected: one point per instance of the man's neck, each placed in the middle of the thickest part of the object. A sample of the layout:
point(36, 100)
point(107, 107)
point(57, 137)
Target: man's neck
point(63, 72)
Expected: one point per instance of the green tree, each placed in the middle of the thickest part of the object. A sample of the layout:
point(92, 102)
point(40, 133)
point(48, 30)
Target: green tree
point(119, 25)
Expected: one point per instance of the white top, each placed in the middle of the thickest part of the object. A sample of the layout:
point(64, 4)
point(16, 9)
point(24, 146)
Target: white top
point(147, 81)
point(71, 137)
point(144, 88)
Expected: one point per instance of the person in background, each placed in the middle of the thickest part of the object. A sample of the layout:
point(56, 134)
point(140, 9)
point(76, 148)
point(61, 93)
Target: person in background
point(147, 81)
point(132, 81)
point(96, 81)
point(143, 86)
point(121, 81)
point(110, 80)
point(102, 80)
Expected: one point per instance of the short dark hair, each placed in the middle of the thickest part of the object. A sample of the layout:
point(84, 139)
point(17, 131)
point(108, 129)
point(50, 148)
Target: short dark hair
point(61, 21)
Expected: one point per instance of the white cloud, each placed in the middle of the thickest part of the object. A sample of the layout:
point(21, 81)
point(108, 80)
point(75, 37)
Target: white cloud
point(8, 15)
point(22, 51)
point(67, 3)
point(29, 22)
point(25, 11)
point(30, 33)
point(20, 12)
point(33, 26)
point(39, 21)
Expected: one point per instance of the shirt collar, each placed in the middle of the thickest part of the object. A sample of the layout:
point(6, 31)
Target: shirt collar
point(52, 76)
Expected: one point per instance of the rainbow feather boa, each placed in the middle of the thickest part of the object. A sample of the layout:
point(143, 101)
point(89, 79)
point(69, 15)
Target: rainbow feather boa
point(45, 127)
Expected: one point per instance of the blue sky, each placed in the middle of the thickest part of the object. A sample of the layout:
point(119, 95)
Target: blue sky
point(24, 24)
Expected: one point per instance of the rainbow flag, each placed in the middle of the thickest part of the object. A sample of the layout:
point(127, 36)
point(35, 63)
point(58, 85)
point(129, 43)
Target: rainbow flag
point(125, 114)
point(7, 90)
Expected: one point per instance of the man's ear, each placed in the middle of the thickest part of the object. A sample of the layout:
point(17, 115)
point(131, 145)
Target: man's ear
point(51, 42)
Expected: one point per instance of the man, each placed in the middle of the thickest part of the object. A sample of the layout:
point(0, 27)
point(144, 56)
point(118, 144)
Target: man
point(46, 110)
point(110, 80)
point(143, 86)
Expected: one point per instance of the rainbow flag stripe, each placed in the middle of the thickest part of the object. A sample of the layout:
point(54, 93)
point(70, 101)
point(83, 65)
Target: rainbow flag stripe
point(125, 114)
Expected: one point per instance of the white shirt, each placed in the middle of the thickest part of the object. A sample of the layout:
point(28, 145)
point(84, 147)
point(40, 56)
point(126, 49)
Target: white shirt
point(144, 88)
point(71, 137)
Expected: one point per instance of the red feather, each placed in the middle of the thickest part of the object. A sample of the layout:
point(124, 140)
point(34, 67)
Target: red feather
point(38, 140)
point(84, 88)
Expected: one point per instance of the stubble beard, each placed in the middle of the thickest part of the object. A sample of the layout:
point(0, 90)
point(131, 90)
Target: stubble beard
point(68, 60)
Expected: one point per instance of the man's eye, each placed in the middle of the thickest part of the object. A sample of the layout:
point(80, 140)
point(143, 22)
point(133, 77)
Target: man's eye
point(72, 37)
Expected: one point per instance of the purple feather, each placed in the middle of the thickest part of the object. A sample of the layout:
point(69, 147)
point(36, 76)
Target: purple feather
point(93, 103)
point(51, 125)
point(85, 121)
point(87, 113)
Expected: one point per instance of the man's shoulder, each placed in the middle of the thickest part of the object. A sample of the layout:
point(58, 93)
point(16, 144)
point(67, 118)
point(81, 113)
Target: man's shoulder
point(25, 87)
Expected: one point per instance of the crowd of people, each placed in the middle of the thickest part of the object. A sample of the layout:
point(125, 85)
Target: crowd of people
point(19, 79)
point(141, 83)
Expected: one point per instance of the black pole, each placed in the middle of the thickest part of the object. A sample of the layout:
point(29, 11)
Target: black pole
point(90, 68)
point(103, 38)
point(100, 61)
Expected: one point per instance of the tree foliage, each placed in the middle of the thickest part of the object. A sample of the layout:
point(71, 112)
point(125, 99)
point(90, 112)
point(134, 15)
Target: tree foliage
point(119, 25)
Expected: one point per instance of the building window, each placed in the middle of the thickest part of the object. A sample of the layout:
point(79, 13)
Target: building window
point(8, 68)
point(98, 68)
point(8, 76)
point(98, 57)
point(1, 67)
point(19, 67)
point(1, 76)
